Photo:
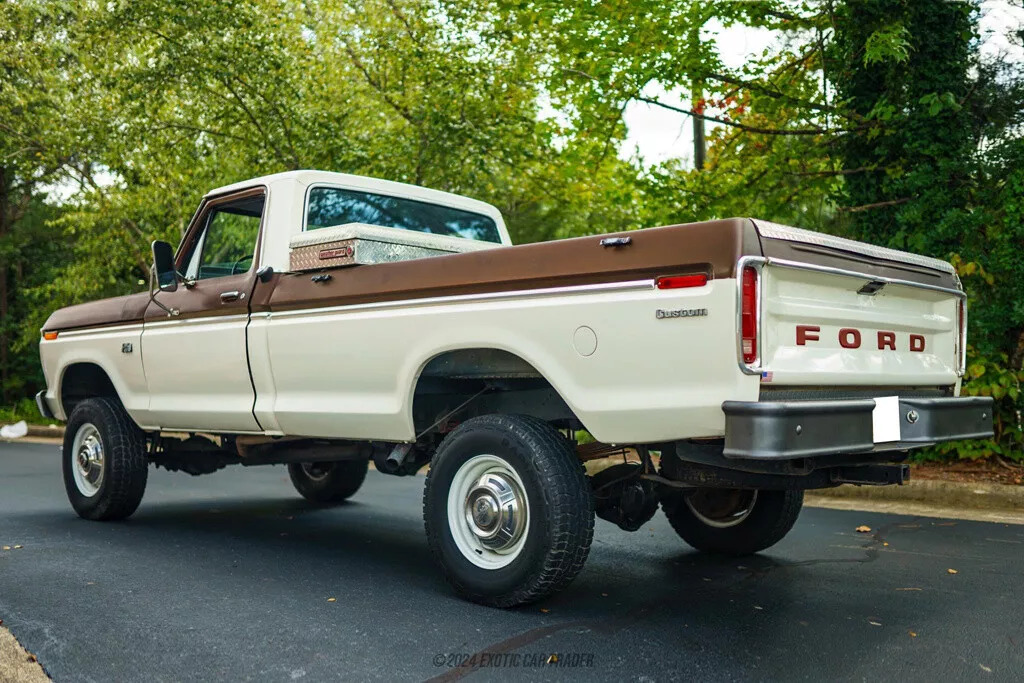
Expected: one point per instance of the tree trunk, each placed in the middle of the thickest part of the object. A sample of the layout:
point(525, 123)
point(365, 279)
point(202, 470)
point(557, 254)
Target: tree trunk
point(6, 218)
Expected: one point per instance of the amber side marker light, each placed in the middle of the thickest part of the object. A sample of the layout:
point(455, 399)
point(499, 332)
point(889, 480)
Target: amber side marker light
point(49, 336)
point(680, 281)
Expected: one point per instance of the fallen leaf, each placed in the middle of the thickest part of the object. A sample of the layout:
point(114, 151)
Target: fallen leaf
point(913, 634)
point(874, 623)
point(32, 658)
point(18, 547)
point(909, 589)
point(758, 607)
point(803, 623)
point(604, 595)
point(952, 571)
point(7, 547)
point(332, 599)
point(545, 610)
point(985, 668)
point(552, 659)
point(885, 543)
point(863, 529)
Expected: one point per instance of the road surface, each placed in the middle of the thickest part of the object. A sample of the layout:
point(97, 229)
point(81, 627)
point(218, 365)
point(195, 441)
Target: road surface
point(230, 576)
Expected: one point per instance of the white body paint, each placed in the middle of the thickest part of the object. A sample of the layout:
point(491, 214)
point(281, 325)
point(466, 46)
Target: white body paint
point(350, 371)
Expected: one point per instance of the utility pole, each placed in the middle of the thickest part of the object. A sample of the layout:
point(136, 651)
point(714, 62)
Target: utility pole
point(697, 95)
point(698, 134)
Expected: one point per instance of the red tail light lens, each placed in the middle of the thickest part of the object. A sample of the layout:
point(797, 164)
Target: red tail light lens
point(748, 316)
point(961, 314)
point(679, 281)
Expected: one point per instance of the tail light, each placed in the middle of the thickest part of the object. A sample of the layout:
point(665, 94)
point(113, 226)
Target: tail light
point(748, 315)
point(680, 281)
point(961, 315)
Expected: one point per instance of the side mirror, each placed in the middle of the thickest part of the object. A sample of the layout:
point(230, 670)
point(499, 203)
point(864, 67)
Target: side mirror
point(163, 266)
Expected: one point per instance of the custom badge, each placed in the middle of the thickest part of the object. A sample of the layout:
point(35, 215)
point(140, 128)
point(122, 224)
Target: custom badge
point(680, 313)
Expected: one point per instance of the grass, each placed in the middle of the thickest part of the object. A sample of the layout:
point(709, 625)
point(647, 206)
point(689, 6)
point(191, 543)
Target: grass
point(23, 409)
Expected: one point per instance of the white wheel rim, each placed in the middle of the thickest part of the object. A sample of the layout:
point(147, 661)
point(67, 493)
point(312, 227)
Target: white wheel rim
point(88, 461)
point(488, 512)
point(745, 505)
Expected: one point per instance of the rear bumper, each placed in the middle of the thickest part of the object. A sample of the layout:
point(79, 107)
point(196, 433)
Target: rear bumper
point(802, 429)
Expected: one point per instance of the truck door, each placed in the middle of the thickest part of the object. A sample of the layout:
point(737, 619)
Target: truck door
point(196, 363)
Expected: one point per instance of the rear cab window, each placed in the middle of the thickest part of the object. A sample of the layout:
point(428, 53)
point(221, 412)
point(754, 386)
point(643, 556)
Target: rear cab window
point(332, 206)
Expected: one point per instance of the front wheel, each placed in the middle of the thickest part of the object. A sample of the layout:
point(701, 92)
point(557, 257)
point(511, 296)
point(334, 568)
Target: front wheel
point(105, 466)
point(733, 521)
point(508, 512)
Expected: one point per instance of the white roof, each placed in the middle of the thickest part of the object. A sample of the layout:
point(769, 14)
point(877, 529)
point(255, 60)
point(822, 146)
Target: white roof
point(375, 185)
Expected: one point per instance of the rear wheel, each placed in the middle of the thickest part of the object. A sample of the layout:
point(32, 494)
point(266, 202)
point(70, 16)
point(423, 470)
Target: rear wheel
point(508, 511)
point(733, 521)
point(104, 460)
point(328, 482)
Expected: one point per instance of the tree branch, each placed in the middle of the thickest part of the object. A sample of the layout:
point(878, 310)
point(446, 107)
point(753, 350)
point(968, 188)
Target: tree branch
point(876, 205)
point(741, 126)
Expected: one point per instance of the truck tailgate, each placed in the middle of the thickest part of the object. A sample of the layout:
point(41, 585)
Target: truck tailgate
point(828, 327)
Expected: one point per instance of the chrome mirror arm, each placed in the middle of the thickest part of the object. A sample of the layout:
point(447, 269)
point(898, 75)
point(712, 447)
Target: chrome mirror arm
point(154, 290)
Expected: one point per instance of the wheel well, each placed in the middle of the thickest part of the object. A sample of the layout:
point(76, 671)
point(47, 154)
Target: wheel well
point(82, 381)
point(487, 381)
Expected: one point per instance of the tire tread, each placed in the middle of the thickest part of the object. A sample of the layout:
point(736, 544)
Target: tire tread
point(567, 497)
point(126, 467)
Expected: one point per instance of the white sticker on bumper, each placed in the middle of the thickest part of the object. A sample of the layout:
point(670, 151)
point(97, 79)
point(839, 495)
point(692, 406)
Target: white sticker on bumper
point(885, 419)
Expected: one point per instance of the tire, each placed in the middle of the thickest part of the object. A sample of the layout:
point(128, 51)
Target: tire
point(530, 556)
point(757, 520)
point(328, 482)
point(104, 460)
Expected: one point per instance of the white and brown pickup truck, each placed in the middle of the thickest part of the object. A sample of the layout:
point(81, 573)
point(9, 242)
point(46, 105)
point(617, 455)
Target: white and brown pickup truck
point(324, 321)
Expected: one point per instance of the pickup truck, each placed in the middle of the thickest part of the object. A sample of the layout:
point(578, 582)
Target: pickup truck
point(326, 321)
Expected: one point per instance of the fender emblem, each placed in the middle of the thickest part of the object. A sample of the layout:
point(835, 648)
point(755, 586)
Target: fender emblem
point(126, 347)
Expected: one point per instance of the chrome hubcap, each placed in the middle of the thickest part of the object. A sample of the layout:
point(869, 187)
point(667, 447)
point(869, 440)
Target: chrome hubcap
point(493, 511)
point(488, 511)
point(89, 461)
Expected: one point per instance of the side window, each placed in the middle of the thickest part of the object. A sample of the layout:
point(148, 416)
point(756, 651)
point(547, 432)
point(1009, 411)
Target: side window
point(228, 243)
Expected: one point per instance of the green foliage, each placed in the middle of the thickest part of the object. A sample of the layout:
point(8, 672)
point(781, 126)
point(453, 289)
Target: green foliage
point(990, 377)
point(875, 119)
point(22, 409)
point(887, 44)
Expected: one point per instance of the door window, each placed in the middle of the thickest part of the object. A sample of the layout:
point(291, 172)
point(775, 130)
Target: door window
point(228, 244)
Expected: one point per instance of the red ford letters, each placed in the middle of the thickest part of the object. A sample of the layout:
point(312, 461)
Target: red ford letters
point(850, 338)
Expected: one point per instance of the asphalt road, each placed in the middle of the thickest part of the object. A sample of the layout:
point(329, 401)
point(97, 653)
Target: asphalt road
point(228, 576)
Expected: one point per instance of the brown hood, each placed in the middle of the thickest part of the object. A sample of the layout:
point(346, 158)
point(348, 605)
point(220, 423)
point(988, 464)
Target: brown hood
point(113, 311)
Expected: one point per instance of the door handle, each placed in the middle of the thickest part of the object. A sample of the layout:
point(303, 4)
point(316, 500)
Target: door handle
point(228, 297)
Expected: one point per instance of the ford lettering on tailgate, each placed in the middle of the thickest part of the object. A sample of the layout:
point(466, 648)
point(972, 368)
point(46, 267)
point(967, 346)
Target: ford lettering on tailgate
point(851, 338)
